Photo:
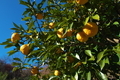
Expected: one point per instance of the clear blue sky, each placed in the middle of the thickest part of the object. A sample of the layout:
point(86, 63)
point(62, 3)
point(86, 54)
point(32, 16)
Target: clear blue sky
point(10, 11)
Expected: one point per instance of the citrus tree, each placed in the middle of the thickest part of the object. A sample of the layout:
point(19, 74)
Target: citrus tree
point(77, 39)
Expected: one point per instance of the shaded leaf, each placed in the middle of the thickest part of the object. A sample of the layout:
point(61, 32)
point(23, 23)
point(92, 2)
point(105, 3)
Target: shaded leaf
point(17, 59)
point(11, 52)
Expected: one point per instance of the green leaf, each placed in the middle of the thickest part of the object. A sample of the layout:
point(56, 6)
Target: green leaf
point(17, 29)
point(11, 52)
point(96, 17)
point(26, 18)
point(88, 75)
point(86, 20)
point(9, 45)
point(107, 60)
point(88, 52)
point(100, 75)
point(23, 2)
point(15, 25)
point(100, 55)
point(92, 58)
point(76, 76)
point(102, 63)
point(16, 64)
point(15, 68)
point(17, 59)
point(31, 24)
point(116, 23)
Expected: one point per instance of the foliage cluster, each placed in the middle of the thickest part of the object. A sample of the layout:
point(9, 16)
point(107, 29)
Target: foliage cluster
point(97, 55)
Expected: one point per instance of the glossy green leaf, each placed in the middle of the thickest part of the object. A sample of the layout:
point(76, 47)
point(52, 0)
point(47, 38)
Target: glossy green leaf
point(88, 75)
point(96, 17)
point(88, 52)
point(76, 76)
point(100, 75)
point(92, 58)
point(102, 63)
point(100, 55)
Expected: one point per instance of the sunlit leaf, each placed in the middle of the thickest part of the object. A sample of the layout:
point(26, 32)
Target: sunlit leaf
point(88, 75)
point(96, 17)
point(100, 55)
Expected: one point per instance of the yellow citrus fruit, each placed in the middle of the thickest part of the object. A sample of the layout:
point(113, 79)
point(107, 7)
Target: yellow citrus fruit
point(60, 33)
point(81, 1)
point(35, 70)
point(70, 59)
point(25, 49)
point(57, 72)
point(39, 15)
point(90, 29)
point(15, 37)
point(82, 37)
point(69, 32)
point(51, 25)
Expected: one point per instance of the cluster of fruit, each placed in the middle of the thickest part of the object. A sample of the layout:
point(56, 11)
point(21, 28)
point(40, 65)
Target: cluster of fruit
point(89, 30)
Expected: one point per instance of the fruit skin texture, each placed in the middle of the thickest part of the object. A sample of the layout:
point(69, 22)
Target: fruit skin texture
point(57, 72)
point(39, 16)
point(15, 37)
point(81, 1)
point(90, 29)
point(51, 25)
point(82, 37)
point(60, 33)
point(25, 49)
point(35, 70)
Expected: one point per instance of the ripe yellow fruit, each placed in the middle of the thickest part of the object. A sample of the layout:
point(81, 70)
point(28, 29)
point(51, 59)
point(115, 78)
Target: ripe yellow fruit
point(15, 37)
point(82, 37)
point(81, 1)
point(60, 33)
point(51, 25)
point(70, 59)
point(39, 15)
point(69, 32)
point(35, 70)
point(25, 49)
point(90, 29)
point(57, 72)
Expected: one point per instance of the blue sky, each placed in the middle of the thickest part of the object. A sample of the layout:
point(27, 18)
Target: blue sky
point(10, 11)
